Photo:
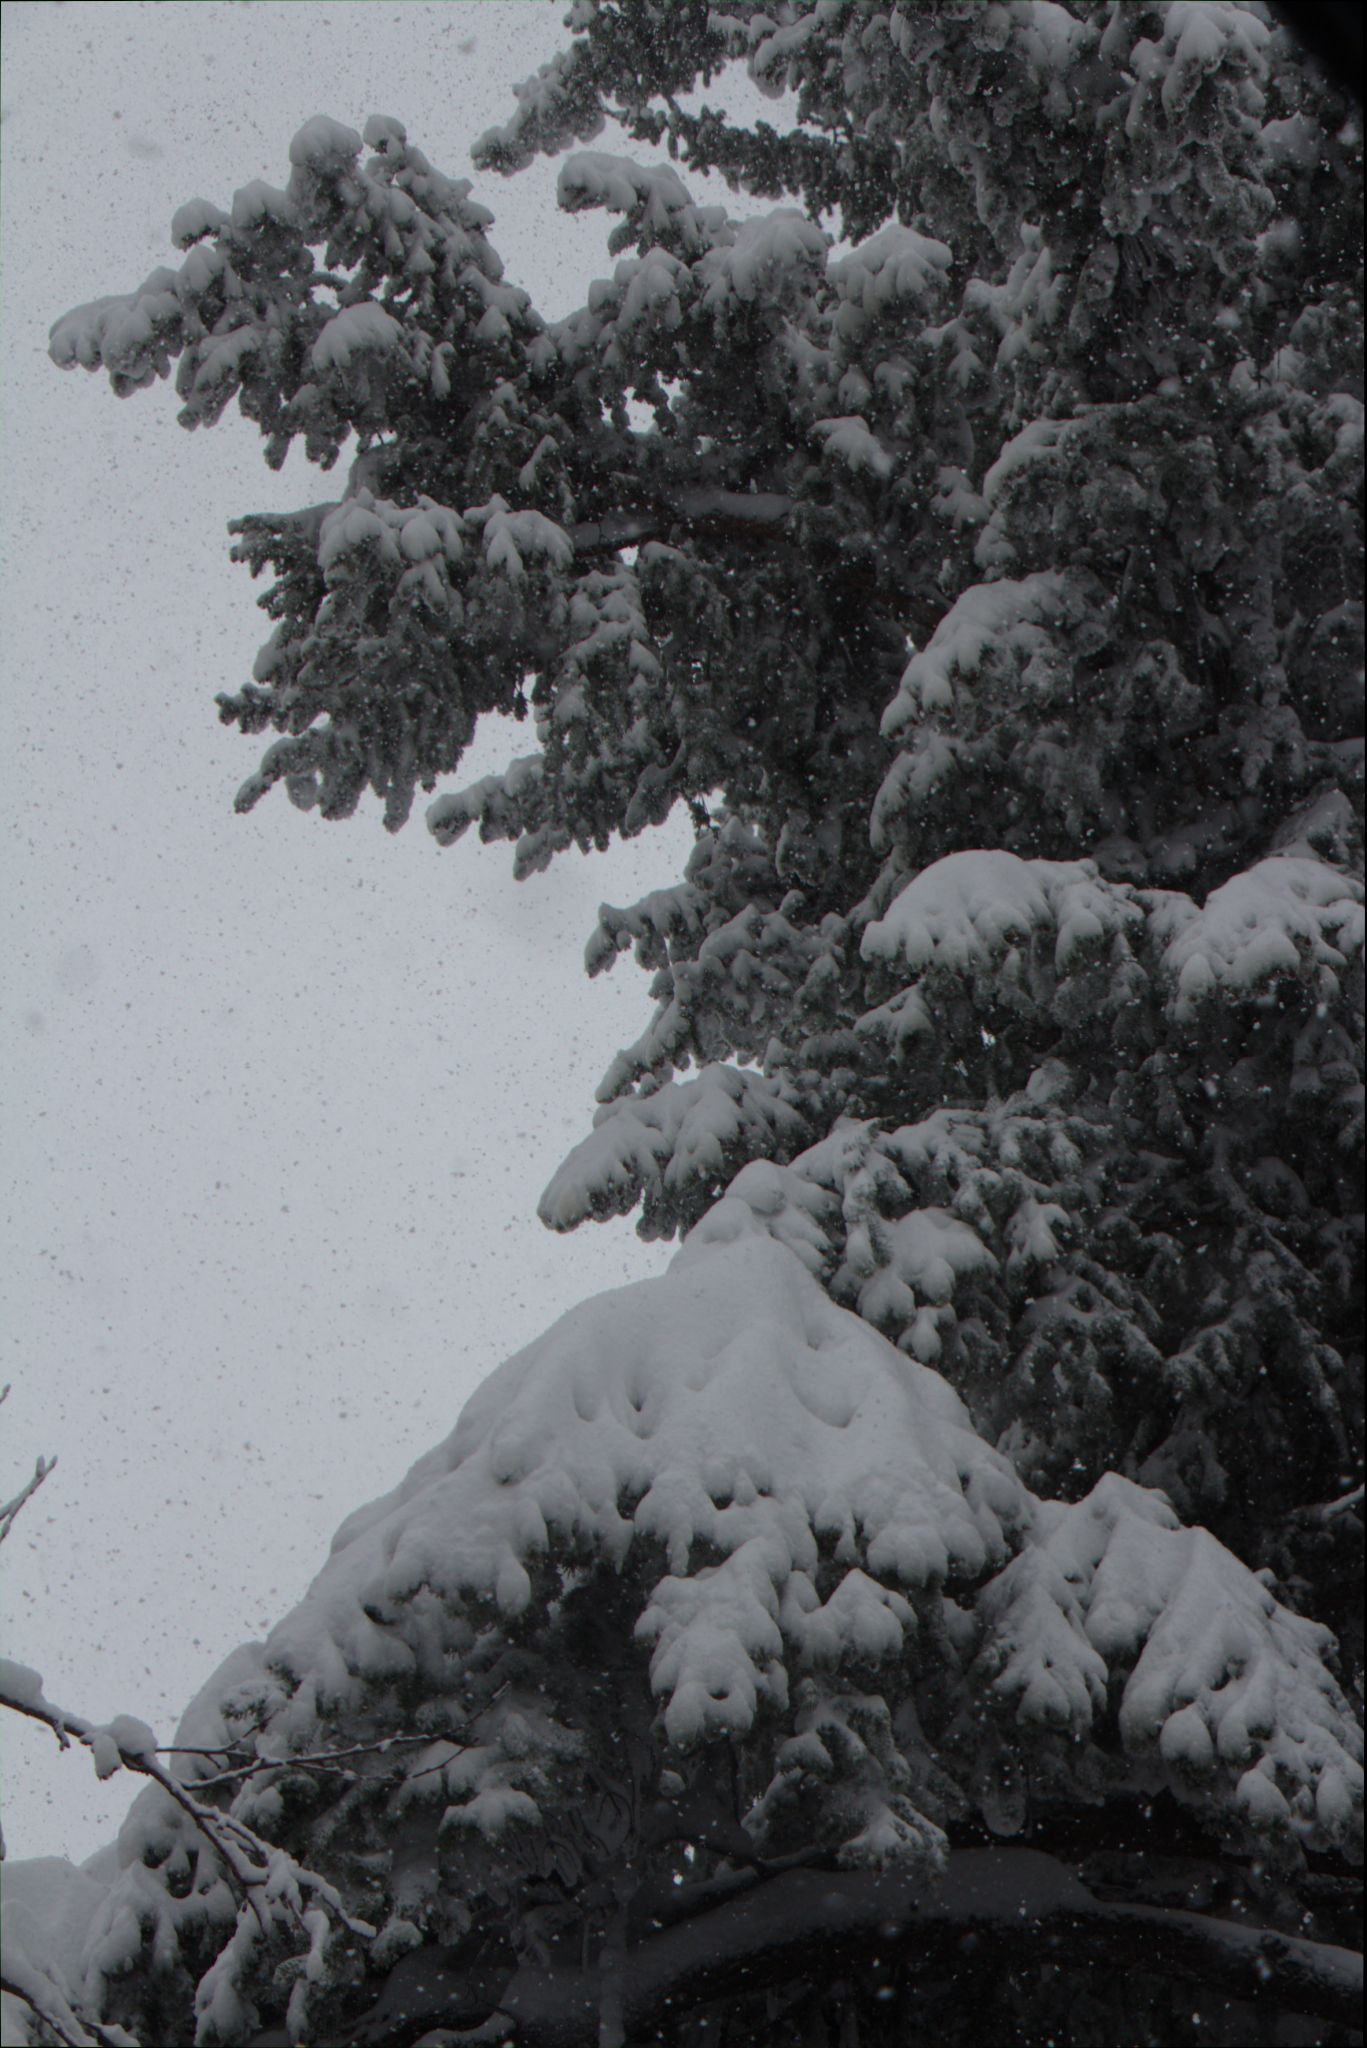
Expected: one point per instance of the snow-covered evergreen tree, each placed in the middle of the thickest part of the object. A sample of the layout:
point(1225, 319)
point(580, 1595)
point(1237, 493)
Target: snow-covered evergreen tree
point(966, 530)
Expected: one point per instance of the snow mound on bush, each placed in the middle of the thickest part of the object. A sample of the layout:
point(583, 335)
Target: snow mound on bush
point(728, 1413)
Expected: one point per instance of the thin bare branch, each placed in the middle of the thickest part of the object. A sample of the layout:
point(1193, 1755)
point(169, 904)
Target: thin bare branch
point(329, 1761)
point(10, 1511)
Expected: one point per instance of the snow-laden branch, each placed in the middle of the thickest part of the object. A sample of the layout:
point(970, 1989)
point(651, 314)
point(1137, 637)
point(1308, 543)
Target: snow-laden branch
point(270, 1887)
point(751, 512)
point(128, 1744)
point(20, 1980)
point(1326, 1512)
point(1028, 1901)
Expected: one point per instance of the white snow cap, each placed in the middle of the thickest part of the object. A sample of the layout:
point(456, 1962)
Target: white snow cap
point(325, 143)
point(729, 1404)
point(892, 266)
point(965, 912)
point(1286, 915)
point(353, 331)
point(1007, 614)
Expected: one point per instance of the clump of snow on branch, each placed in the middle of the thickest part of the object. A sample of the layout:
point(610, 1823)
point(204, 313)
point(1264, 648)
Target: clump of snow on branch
point(1285, 916)
point(963, 914)
point(976, 624)
point(967, 914)
point(729, 1405)
point(656, 1147)
point(1223, 1686)
point(892, 266)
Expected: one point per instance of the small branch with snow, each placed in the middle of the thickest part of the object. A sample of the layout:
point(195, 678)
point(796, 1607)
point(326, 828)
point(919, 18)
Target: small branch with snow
point(494, 2029)
point(764, 513)
point(269, 1885)
point(1327, 1511)
point(68, 2027)
point(127, 1744)
point(330, 1762)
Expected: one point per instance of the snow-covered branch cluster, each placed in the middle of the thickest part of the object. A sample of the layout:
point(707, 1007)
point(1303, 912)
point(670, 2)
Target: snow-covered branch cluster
point(272, 1901)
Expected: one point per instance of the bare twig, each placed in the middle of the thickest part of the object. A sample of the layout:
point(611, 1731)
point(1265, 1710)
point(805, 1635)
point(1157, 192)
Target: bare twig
point(9, 1512)
point(329, 1761)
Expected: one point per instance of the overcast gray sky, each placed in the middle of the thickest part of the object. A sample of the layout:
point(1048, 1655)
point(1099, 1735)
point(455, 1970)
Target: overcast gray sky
point(280, 1095)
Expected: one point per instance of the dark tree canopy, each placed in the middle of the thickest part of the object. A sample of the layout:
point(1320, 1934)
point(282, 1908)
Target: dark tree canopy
point(967, 531)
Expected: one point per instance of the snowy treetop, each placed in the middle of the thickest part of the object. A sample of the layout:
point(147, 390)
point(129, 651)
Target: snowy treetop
point(728, 1407)
point(784, 1495)
point(818, 1557)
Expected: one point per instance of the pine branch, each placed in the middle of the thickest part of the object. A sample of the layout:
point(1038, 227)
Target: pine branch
point(253, 1866)
point(756, 514)
point(1034, 1907)
point(1326, 1512)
